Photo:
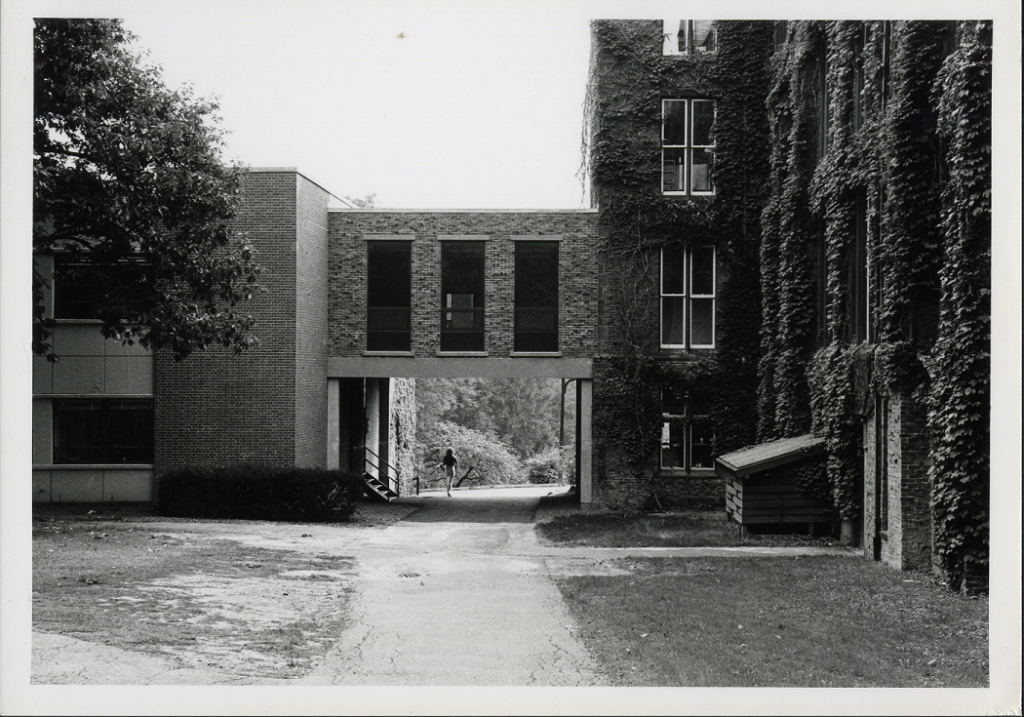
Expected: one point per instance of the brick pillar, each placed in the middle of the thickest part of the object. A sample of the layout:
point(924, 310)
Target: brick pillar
point(910, 536)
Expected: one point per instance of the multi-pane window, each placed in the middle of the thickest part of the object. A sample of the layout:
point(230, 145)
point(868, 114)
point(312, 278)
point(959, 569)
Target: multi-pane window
point(687, 433)
point(389, 296)
point(688, 297)
point(103, 431)
point(687, 147)
point(536, 296)
point(689, 37)
point(462, 296)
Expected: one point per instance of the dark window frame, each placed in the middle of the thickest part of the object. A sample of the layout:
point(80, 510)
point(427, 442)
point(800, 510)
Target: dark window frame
point(536, 297)
point(389, 296)
point(94, 431)
point(463, 290)
point(683, 422)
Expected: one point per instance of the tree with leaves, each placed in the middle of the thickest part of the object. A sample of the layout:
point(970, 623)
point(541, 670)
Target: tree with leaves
point(132, 196)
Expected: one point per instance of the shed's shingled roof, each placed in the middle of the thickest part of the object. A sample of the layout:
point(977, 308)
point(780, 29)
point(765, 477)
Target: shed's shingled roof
point(769, 455)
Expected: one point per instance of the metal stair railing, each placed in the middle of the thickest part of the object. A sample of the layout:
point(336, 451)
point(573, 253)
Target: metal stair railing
point(387, 474)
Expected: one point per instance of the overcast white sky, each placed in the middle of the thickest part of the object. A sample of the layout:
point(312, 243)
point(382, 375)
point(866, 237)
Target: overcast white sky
point(428, 104)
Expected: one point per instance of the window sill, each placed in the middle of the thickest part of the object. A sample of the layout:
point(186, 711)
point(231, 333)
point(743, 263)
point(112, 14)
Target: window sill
point(689, 195)
point(679, 350)
point(695, 473)
point(536, 354)
point(408, 354)
point(465, 354)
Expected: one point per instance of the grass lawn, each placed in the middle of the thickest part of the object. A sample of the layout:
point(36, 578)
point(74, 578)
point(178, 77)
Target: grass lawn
point(188, 594)
point(828, 621)
point(778, 622)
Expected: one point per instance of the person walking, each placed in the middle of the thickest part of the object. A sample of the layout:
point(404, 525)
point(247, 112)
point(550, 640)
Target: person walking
point(448, 463)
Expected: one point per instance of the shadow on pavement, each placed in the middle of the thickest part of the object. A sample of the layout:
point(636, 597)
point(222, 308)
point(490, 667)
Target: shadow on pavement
point(513, 506)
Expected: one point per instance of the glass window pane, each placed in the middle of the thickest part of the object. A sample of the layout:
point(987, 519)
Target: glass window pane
point(672, 321)
point(77, 432)
point(389, 273)
point(536, 280)
point(462, 296)
point(702, 318)
point(702, 440)
point(673, 401)
point(703, 36)
point(130, 432)
point(389, 296)
point(702, 278)
point(700, 170)
point(462, 269)
point(673, 270)
point(673, 122)
point(703, 118)
point(673, 175)
point(673, 444)
point(103, 431)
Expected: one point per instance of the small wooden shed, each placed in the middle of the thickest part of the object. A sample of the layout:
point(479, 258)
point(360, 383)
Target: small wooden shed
point(761, 483)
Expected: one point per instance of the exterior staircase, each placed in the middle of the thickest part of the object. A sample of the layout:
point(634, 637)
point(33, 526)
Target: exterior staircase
point(381, 480)
point(377, 489)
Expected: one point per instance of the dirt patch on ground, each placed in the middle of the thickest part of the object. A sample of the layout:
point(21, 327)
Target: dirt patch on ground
point(240, 597)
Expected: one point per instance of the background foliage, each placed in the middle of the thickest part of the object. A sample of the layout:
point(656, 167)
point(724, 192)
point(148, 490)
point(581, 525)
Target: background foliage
point(502, 428)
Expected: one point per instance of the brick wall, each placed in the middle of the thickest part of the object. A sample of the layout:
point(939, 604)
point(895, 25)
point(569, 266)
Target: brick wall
point(216, 408)
point(311, 326)
point(909, 536)
point(349, 230)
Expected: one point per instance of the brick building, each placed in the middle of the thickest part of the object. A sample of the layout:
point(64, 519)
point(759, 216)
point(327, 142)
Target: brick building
point(789, 236)
point(820, 190)
point(358, 304)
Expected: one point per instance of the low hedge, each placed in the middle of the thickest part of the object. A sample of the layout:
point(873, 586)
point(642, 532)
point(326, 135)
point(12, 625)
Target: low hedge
point(258, 493)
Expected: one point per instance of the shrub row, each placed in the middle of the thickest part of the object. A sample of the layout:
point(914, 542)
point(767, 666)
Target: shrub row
point(258, 493)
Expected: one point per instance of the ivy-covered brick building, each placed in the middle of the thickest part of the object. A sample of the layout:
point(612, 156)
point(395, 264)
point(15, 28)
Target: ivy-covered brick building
point(790, 235)
point(795, 238)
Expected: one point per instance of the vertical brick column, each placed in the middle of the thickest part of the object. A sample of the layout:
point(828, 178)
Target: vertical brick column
point(909, 536)
point(267, 406)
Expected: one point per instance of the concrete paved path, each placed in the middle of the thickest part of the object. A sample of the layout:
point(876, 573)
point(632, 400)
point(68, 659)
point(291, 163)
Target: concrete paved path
point(458, 594)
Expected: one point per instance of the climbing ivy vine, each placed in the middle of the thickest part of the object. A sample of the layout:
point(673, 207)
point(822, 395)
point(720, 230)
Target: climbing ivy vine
point(621, 147)
point(883, 129)
point(961, 388)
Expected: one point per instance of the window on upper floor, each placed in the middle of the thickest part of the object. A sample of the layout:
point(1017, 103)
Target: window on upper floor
point(858, 278)
point(462, 296)
point(689, 37)
point(687, 147)
point(74, 289)
point(78, 285)
point(688, 286)
point(103, 431)
point(389, 296)
point(536, 296)
point(687, 433)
